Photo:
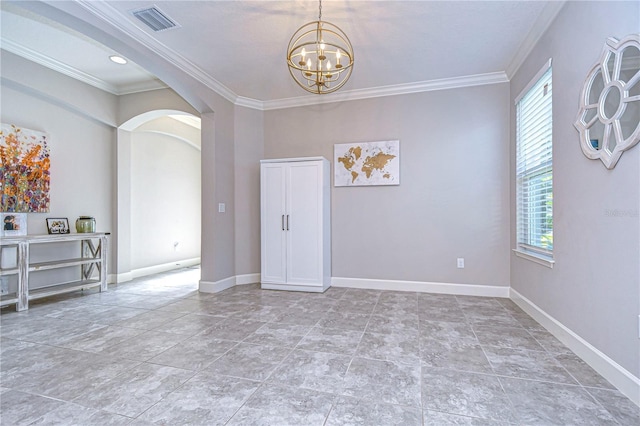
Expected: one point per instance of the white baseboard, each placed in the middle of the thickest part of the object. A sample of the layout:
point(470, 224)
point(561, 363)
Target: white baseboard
point(622, 379)
point(123, 278)
point(156, 269)
point(217, 286)
point(423, 287)
point(247, 279)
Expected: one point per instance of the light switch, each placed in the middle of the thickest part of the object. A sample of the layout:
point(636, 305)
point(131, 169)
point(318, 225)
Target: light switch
point(221, 207)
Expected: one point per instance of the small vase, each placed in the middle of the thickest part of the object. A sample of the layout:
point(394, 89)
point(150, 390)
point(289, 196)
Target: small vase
point(85, 224)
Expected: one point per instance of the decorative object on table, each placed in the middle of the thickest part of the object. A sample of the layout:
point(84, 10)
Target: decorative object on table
point(610, 102)
point(13, 224)
point(367, 163)
point(58, 225)
point(320, 56)
point(24, 167)
point(85, 224)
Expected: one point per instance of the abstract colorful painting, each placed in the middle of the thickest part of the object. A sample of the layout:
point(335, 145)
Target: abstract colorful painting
point(24, 163)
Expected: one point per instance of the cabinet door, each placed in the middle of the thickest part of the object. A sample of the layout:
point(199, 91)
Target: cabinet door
point(273, 223)
point(304, 236)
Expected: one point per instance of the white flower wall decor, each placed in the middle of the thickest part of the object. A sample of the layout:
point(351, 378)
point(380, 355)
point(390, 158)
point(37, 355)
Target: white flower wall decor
point(609, 115)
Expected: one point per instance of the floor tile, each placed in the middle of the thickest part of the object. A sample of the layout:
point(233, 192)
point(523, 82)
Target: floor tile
point(319, 371)
point(437, 418)
point(333, 340)
point(98, 340)
point(149, 320)
point(144, 346)
point(390, 347)
point(352, 411)
point(206, 399)
point(252, 356)
point(19, 408)
point(506, 337)
point(441, 313)
point(344, 320)
point(619, 406)
point(194, 353)
point(581, 371)
point(383, 381)
point(467, 394)
point(524, 364)
point(135, 391)
point(278, 405)
point(405, 324)
point(449, 331)
point(233, 329)
point(189, 324)
point(457, 355)
point(276, 334)
point(299, 316)
point(540, 403)
point(247, 361)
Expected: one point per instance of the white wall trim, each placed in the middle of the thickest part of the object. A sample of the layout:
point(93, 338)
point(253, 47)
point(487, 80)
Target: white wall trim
point(247, 279)
point(124, 277)
point(156, 269)
point(540, 26)
point(69, 71)
point(399, 89)
point(622, 379)
point(217, 286)
point(423, 287)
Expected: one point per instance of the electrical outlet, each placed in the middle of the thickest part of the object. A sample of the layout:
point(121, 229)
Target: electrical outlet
point(461, 262)
point(221, 207)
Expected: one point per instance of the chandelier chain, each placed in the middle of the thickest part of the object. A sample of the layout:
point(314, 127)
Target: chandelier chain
point(320, 11)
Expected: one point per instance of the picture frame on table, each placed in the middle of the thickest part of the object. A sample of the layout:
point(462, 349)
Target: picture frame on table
point(13, 224)
point(58, 225)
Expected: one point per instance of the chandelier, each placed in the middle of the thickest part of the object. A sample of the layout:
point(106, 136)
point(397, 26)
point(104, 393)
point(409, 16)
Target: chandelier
point(320, 56)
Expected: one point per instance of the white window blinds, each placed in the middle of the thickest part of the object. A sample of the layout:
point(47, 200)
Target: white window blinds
point(534, 171)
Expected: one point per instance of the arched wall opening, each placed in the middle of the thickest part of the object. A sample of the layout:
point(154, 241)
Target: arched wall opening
point(159, 193)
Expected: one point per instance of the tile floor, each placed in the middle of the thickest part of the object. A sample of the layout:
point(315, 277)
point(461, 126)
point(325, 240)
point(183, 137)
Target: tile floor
point(156, 352)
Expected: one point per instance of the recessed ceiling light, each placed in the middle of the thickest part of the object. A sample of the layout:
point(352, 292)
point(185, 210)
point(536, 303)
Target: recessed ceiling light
point(118, 59)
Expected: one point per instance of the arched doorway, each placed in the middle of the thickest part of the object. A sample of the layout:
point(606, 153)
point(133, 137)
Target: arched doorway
point(159, 195)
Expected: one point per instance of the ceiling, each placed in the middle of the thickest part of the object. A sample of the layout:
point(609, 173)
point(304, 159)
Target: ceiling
point(238, 48)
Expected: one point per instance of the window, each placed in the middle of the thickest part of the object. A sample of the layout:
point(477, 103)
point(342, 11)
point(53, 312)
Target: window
point(534, 169)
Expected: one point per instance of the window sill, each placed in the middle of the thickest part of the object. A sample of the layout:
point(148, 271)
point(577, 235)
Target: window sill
point(539, 259)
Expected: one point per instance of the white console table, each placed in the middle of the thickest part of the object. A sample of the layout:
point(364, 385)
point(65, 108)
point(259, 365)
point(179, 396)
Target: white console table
point(93, 255)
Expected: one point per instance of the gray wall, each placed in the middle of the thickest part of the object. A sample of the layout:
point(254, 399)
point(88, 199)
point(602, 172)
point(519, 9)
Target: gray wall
point(594, 287)
point(81, 121)
point(249, 150)
point(453, 197)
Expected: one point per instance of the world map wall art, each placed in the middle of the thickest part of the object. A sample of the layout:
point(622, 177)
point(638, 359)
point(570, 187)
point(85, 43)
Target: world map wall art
point(367, 163)
point(24, 163)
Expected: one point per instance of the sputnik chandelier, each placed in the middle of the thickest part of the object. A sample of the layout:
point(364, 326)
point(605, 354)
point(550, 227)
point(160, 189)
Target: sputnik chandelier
point(320, 56)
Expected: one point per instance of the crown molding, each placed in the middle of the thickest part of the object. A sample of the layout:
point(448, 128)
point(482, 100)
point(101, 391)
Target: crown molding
point(399, 89)
point(114, 18)
point(540, 26)
point(55, 65)
point(69, 71)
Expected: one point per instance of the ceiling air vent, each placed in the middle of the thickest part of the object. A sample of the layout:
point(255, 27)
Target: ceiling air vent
point(155, 19)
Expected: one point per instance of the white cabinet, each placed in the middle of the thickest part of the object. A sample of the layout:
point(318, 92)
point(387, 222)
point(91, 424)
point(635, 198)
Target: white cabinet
point(295, 224)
